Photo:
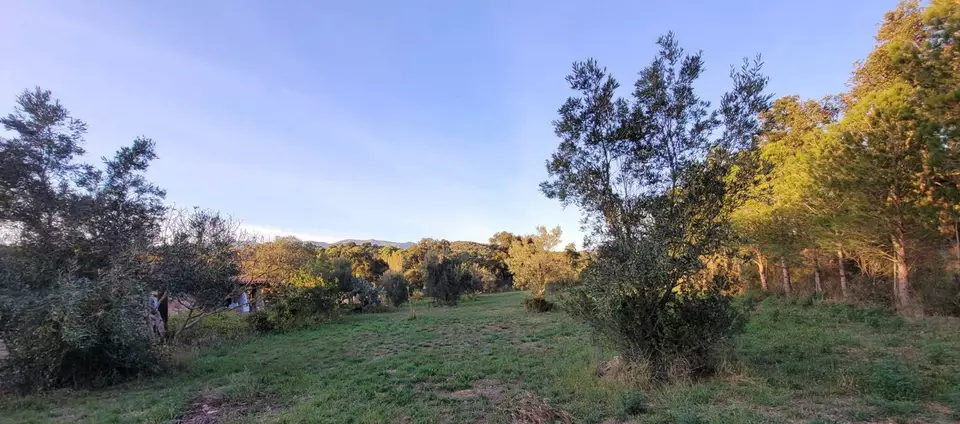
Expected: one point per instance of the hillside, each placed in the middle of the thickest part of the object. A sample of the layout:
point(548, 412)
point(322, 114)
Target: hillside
point(489, 361)
point(398, 245)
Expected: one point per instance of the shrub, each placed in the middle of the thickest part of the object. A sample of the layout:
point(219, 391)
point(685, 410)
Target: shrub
point(396, 287)
point(213, 330)
point(633, 402)
point(290, 307)
point(445, 279)
point(537, 304)
point(342, 274)
point(367, 294)
point(84, 333)
point(630, 296)
point(262, 322)
point(890, 378)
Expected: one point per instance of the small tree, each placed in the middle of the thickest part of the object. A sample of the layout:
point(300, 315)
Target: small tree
point(534, 264)
point(342, 275)
point(396, 286)
point(198, 264)
point(650, 179)
point(445, 279)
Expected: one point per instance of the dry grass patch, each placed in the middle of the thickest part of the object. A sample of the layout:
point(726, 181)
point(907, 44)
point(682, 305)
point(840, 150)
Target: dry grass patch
point(526, 408)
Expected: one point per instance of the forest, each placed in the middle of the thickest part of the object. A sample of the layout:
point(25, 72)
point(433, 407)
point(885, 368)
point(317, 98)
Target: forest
point(800, 254)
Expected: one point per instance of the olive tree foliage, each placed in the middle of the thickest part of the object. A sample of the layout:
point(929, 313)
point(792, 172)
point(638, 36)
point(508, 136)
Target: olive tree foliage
point(414, 259)
point(197, 263)
point(73, 279)
point(446, 278)
point(396, 287)
point(649, 176)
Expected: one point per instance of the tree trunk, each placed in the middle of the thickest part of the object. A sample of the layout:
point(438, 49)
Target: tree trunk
point(787, 287)
point(842, 266)
point(896, 287)
point(762, 270)
point(956, 234)
point(818, 286)
point(164, 309)
point(908, 305)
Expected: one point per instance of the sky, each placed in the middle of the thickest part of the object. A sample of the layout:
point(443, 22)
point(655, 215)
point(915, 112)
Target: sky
point(384, 119)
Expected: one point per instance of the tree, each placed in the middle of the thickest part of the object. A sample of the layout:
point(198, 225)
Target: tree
point(277, 261)
point(445, 278)
point(778, 209)
point(534, 265)
point(393, 257)
point(198, 264)
point(891, 157)
point(366, 259)
point(414, 259)
point(487, 262)
point(36, 179)
point(396, 287)
point(75, 268)
point(650, 179)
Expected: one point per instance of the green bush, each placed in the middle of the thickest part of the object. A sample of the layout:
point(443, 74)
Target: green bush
point(212, 330)
point(537, 304)
point(290, 308)
point(83, 333)
point(446, 279)
point(342, 274)
point(631, 297)
point(890, 378)
point(633, 403)
point(396, 287)
point(262, 322)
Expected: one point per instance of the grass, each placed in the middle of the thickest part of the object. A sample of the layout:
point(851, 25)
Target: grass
point(489, 361)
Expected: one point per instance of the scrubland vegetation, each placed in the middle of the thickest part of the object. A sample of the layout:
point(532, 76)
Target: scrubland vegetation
point(755, 259)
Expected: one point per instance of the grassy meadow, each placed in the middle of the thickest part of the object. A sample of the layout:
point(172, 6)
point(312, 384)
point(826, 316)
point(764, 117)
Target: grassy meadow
point(490, 361)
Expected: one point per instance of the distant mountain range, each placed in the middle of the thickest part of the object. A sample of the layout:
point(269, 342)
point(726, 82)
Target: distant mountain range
point(403, 245)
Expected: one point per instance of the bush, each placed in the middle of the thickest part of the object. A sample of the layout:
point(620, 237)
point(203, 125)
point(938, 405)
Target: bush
point(396, 287)
point(633, 403)
point(342, 274)
point(631, 297)
point(290, 308)
point(537, 304)
point(212, 330)
point(891, 378)
point(366, 293)
point(446, 279)
point(84, 333)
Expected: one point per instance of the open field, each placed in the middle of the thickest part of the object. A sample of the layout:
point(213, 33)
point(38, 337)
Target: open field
point(489, 361)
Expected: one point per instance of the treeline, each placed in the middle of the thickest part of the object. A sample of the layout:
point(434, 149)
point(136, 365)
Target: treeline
point(508, 261)
point(855, 196)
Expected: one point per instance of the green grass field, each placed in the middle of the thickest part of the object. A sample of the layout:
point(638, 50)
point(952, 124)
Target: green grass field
point(489, 361)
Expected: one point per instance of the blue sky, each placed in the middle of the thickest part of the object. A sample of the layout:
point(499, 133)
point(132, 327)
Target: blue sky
point(391, 120)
